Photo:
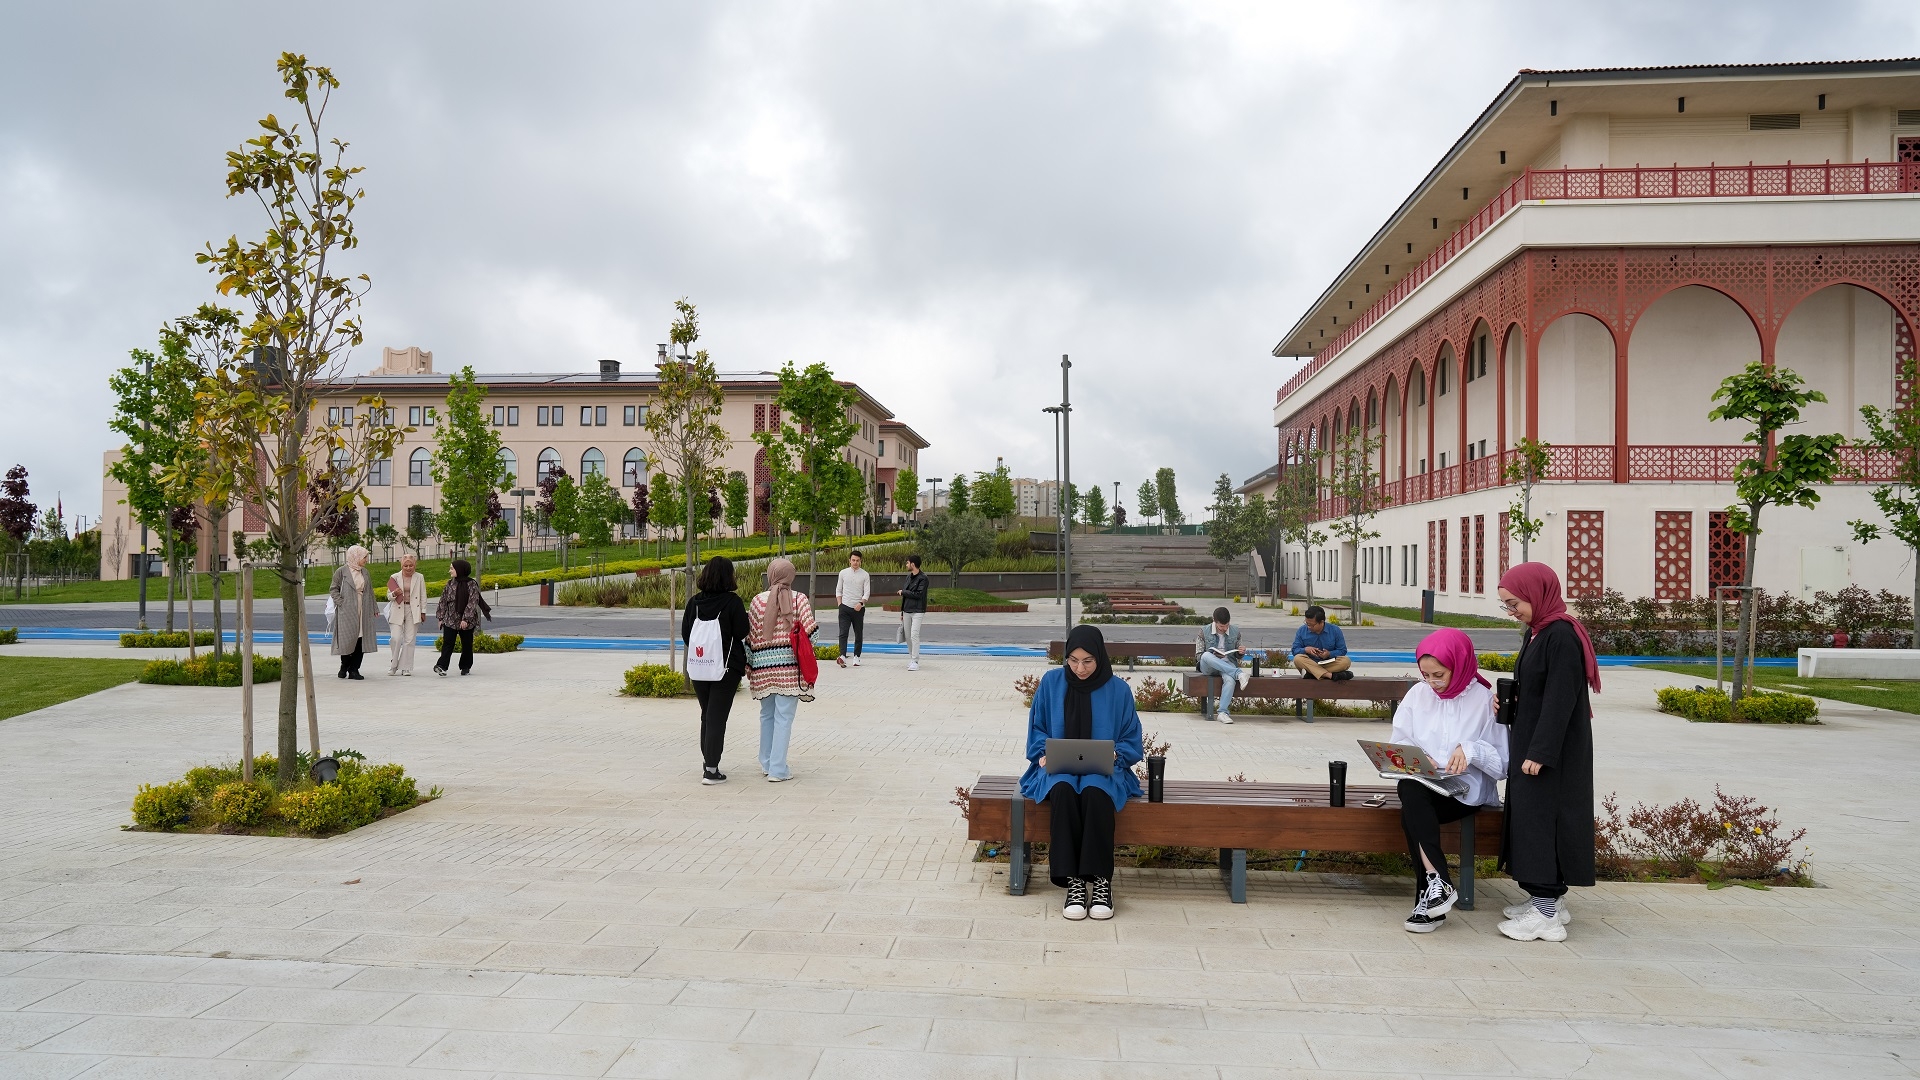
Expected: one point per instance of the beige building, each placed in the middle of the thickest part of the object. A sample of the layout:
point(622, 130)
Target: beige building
point(583, 423)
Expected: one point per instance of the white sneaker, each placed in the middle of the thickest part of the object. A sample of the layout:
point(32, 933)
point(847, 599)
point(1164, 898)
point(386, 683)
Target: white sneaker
point(408, 673)
point(1224, 718)
point(1534, 926)
point(1244, 676)
point(1560, 913)
point(855, 661)
point(913, 665)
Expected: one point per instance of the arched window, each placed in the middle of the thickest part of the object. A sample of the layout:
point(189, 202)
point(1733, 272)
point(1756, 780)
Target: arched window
point(633, 471)
point(512, 465)
point(549, 460)
point(593, 463)
point(420, 468)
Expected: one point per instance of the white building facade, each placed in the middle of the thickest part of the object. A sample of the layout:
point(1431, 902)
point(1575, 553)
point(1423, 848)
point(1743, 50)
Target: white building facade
point(1583, 268)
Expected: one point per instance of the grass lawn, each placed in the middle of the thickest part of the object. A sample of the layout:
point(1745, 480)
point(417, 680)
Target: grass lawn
point(35, 682)
point(1897, 694)
point(949, 599)
point(1440, 618)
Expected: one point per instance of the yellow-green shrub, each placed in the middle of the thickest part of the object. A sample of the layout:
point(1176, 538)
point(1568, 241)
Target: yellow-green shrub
point(1497, 661)
point(826, 652)
point(393, 785)
point(654, 680)
point(10, 636)
point(163, 806)
point(1757, 707)
point(239, 804)
point(484, 642)
point(163, 639)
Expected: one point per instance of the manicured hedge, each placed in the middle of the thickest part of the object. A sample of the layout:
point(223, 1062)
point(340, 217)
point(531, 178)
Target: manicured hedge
point(202, 671)
point(484, 642)
point(1497, 661)
point(214, 798)
point(163, 639)
point(10, 636)
point(1757, 707)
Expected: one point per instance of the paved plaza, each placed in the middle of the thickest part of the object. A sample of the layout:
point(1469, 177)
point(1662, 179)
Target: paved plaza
point(578, 905)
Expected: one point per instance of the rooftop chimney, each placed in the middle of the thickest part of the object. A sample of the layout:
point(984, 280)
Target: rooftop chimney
point(662, 359)
point(610, 370)
point(412, 360)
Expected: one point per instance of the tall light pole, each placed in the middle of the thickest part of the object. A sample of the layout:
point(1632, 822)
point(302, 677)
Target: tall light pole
point(934, 506)
point(1116, 508)
point(1059, 498)
point(521, 522)
point(147, 425)
point(1066, 482)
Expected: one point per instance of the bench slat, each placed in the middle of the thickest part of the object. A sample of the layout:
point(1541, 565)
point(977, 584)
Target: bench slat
point(1271, 686)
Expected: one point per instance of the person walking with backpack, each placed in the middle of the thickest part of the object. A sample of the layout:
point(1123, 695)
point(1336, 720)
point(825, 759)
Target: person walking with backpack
point(715, 628)
point(913, 608)
point(780, 629)
point(458, 614)
point(851, 591)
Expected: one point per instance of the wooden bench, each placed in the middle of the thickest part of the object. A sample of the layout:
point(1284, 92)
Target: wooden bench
point(1304, 692)
point(1232, 818)
point(1131, 650)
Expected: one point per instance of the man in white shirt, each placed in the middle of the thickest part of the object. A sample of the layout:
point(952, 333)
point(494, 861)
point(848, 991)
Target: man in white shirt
point(851, 590)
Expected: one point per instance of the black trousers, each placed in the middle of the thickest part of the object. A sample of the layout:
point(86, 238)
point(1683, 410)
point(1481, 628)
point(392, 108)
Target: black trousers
point(350, 661)
point(857, 620)
point(1082, 841)
point(1555, 891)
point(447, 637)
point(1422, 812)
point(716, 703)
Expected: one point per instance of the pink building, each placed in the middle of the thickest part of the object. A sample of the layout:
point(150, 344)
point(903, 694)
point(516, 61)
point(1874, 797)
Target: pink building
point(1583, 267)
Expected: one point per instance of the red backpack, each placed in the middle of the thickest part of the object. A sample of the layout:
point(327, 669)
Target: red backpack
point(803, 657)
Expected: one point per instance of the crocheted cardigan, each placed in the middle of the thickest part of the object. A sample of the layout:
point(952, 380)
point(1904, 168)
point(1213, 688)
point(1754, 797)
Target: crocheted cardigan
point(773, 667)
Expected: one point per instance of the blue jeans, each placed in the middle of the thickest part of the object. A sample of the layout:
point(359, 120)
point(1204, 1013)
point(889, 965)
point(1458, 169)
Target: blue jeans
point(1213, 665)
point(776, 729)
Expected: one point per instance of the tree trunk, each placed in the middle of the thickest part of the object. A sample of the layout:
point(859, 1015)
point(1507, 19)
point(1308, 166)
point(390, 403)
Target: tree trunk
point(1915, 643)
point(173, 571)
point(1273, 574)
point(813, 564)
point(213, 564)
point(1526, 511)
point(292, 614)
point(690, 534)
point(1740, 649)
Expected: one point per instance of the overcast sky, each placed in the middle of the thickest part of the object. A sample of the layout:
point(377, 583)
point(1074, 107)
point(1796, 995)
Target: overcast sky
point(935, 199)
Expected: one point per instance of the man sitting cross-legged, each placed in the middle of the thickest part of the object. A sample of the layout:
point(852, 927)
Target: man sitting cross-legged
point(1320, 649)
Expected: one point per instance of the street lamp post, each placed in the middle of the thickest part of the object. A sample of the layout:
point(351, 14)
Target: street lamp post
point(1066, 482)
point(146, 424)
point(1059, 499)
point(1115, 529)
point(934, 507)
point(522, 522)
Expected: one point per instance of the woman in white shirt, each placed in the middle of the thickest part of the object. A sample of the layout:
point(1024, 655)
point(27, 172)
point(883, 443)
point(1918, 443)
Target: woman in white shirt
point(1450, 715)
point(406, 610)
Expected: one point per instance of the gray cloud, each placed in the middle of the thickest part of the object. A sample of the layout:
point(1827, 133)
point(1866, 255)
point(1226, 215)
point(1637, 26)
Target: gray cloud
point(936, 200)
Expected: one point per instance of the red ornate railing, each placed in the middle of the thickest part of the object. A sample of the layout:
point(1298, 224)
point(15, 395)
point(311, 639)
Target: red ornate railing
point(1594, 464)
point(1635, 182)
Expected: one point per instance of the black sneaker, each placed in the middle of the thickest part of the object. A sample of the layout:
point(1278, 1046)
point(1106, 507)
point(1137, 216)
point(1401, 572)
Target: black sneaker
point(1342, 676)
point(1439, 897)
point(713, 776)
point(1422, 923)
point(1101, 906)
point(1075, 908)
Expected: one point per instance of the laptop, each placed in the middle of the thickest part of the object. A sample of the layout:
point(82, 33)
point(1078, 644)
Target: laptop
point(1397, 761)
point(1080, 757)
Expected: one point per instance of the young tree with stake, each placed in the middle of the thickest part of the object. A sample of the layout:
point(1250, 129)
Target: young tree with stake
point(301, 329)
point(815, 429)
point(467, 465)
point(1531, 461)
point(1356, 491)
point(1786, 471)
point(1147, 500)
point(1895, 433)
point(685, 418)
point(1168, 494)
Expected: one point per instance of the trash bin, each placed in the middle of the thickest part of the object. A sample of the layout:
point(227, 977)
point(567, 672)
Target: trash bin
point(1426, 605)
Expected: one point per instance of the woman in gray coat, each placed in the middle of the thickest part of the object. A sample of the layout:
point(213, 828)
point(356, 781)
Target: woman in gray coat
point(354, 631)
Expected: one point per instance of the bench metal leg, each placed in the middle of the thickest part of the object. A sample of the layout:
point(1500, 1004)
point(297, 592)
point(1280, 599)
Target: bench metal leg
point(1309, 716)
point(1233, 869)
point(1019, 853)
point(1467, 825)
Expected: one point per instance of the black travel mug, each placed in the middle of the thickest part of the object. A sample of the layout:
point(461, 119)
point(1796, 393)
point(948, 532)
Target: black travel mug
point(1507, 693)
point(1256, 665)
point(1156, 779)
point(1336, 783)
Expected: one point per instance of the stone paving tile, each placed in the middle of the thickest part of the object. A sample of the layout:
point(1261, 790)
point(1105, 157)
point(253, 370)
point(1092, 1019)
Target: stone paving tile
point(305, 1005)
point(664, 1059)
point(135, 999)
point(521, 1053)
point(18, 1031)
point(342, 1044)
point(16, 1065)
point(149, 1036)
point(846, 1064)
point(478, 1013)
point(140, 1068)
point(20, 992)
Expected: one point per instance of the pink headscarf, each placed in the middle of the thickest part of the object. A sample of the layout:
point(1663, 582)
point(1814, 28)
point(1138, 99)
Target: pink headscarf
point(1539, 586)
point(1454, 650)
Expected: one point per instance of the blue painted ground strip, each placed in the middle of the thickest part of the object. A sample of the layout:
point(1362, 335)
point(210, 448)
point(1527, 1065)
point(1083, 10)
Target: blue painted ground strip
point(630, 644)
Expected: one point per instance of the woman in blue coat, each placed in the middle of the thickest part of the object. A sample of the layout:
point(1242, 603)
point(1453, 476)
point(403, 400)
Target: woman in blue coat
point(1082, 700)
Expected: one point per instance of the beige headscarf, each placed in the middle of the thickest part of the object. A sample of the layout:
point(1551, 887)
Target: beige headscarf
point(780, 601)
point(356, 565)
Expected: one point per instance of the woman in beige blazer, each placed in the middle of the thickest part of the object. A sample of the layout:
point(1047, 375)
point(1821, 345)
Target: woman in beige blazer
point(406, 610)
point(354, 631)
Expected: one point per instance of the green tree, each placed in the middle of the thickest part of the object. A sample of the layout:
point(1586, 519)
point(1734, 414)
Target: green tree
point(559, 507)
point(154, 411)
point(1094, 508)
point(599, 510)
point(1532, 460)
point(1169, 495)
point(208, 338)
point(1359, 498)
point(957, 539)
point(959, 499)
point(1147, 500)
point(1296, 510)
point(1895, 433)
point(467, 465)
point(738, 494)
point(16, 519)
point(419, 527)
point(1786, 471)
point(301, 329)
point(992, 494)
point(685, 418)
point(815, 429)
point(1223, 536)
point(906, 491)
point(669, 506)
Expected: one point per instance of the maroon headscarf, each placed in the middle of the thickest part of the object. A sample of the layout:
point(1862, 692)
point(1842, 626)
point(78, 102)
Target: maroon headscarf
point(1454, 650)
point(1539, 586)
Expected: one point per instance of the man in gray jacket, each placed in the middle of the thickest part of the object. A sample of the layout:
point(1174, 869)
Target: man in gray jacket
point(1218, 652)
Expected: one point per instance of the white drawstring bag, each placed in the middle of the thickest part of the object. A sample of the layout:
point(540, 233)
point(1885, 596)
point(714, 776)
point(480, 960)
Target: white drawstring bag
point(706, 661)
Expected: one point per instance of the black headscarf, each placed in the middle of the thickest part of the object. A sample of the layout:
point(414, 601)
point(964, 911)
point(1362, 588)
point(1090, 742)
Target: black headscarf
point(462, 581)
point(1079, 704)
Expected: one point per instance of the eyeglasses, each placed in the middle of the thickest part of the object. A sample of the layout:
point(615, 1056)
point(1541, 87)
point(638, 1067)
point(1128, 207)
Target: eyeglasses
point(1510, 605)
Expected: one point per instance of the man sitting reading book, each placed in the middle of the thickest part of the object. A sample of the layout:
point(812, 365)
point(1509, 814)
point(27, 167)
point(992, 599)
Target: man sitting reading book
point(1320, 649)
point(1218, 652)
